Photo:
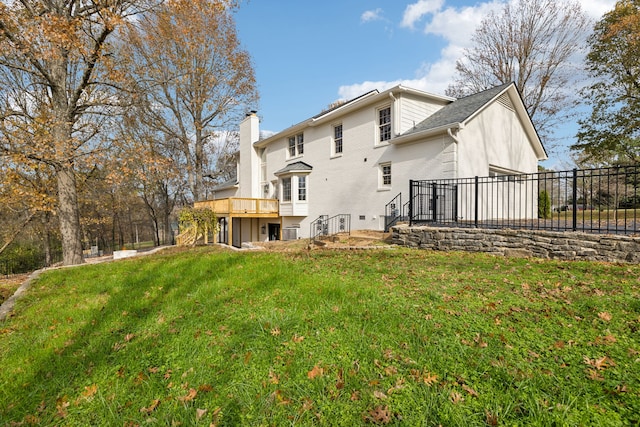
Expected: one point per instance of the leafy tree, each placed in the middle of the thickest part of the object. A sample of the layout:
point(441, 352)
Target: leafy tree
point(57, 91)
point(531, 43)
point(611, 133)
point(193, 78)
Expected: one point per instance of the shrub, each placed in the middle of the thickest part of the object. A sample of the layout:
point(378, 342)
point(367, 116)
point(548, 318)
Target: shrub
point(544, 205)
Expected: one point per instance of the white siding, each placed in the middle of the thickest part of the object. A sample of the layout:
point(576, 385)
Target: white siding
point(495, 138)
point(414, 110)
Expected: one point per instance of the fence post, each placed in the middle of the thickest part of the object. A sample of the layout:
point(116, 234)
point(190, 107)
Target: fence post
point(434, 201)
point(475, 213)
point(575, 199)
point(410, 202)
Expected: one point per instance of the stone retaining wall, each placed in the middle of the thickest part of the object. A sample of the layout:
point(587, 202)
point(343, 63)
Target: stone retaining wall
point(534, 243)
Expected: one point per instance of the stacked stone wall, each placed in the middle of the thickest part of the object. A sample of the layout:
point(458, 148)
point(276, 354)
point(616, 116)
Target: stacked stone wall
point(524, 243)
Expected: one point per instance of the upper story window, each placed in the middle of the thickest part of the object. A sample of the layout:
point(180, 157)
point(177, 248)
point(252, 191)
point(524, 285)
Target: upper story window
point(302, 188)
point(286, 189)
point(384, 124)
point(296, 145)
point(385, 175)
point(337, 139)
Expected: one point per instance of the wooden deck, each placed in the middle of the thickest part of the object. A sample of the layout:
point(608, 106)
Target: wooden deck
point(239, 207)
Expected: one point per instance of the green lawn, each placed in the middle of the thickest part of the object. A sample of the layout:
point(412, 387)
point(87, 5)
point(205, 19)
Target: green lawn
point(396, 337)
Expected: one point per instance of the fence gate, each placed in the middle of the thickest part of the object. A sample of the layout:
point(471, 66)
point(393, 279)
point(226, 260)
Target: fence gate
point(432, 201)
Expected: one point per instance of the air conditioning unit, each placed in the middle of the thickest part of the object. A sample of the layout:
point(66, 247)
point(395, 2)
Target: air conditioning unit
point(289, 234)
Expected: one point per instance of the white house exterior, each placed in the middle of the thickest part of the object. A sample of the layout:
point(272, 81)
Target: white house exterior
point(355, 158)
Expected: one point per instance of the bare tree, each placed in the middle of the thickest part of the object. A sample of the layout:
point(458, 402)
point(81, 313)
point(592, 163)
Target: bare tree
point(531, 43)
point(194, 79)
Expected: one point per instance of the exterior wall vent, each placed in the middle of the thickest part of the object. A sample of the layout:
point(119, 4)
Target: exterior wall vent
point(289, 234)
point(506, 102)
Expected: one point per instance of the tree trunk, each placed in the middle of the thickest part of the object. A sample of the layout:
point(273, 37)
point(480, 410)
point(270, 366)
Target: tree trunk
point(69, 216)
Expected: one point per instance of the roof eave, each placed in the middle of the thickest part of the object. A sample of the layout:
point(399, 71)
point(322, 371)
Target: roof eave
point(427, 133)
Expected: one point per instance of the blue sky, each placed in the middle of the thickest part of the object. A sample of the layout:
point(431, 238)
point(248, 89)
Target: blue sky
point(308, 54)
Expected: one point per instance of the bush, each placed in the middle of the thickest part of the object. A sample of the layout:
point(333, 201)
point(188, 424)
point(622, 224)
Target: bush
point(21, 258)
point(544, 205)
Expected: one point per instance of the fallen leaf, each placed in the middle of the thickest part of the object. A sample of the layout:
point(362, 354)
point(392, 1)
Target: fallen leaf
point(429, 378)
point(340, 380)
point(379, 395)
point(273, 378)
point(355, 395)
point(469, 390)
point(61, 407)
point(594, 375)
point(317, 371)
point(456, 397)
point(89, 391)
point(297, 338)
point(399, 385)
point(205, 388)
point(129, 337)
point(151, 407)
point(600, 364)
point(491, 419)
point(307, 404)
point(189, 396)
point(605, 316)
point(279, 396)
point(275, 331)
point(390, 370)
point(379, 415)
point(200, 413)
point(605, 340)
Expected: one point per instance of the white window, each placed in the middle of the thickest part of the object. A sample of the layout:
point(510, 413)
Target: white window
point(385, 175)
point(302, 188)
point(292, 146)
point(384, 124)
point(296, 145)
point(286, 189)
point(337, 139)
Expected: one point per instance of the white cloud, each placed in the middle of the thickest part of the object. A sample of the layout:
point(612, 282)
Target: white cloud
point(414, 12)
point(456, 26)
point(596, 8)
point(371, 15)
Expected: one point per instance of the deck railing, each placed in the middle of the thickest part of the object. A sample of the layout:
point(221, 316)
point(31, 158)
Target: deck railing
point(240, 205)
point(605, 201)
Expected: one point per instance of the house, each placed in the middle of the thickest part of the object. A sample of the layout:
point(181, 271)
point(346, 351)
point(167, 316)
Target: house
point(354, 158)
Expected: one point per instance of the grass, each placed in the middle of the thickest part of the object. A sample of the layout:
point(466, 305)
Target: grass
point(395, 337)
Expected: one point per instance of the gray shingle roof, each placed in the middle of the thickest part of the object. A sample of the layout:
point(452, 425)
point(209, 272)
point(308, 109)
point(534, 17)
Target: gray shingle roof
point(227, 184)
point(459, 110)
point(294, 167)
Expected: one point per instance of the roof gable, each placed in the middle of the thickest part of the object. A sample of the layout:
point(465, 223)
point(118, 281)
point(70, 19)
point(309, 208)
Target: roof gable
point(459, 110)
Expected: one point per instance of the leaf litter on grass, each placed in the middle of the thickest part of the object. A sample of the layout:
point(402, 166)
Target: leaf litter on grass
point(380, 339)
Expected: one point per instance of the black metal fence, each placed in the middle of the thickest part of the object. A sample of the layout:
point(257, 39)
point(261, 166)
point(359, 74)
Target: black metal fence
point(325, 226)
point(603, 200)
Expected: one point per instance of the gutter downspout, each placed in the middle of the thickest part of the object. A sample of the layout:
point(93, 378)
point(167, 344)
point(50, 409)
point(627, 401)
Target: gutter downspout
point(455, 148)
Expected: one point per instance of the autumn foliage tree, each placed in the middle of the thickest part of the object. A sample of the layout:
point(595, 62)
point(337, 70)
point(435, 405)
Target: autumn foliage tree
point(58, 91)
point(193, 79)
point(531, 43)
point(611, 133)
